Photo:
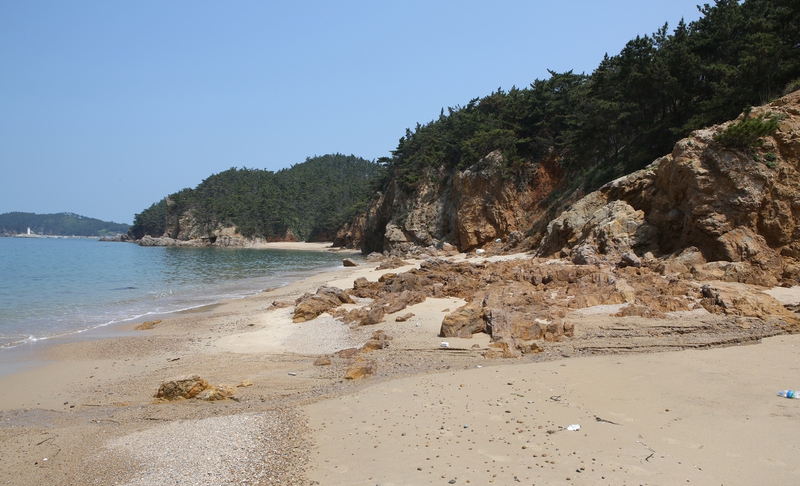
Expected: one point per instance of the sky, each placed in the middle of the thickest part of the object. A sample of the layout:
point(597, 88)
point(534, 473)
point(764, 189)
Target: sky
point(107, 107)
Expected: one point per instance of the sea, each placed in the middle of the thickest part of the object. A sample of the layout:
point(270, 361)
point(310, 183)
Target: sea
point(55, 287)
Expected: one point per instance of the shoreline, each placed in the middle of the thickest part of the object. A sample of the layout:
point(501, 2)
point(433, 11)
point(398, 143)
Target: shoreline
point(88, 406)
point(99, 330)
point(306, 246)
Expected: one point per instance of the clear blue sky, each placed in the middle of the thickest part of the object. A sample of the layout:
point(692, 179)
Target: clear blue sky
point(106, 107)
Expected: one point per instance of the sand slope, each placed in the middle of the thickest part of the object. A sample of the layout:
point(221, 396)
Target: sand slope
point(698, 417)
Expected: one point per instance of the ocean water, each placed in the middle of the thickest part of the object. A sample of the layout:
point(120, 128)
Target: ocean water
point(52, 287)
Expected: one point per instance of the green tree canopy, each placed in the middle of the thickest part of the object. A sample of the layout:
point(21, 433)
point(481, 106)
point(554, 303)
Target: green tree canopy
point(631, 109)
point(61, 224)
point(311, 199)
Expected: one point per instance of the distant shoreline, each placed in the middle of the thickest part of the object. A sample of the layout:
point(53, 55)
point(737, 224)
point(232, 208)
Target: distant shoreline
point(47, 236)
point(136, 306)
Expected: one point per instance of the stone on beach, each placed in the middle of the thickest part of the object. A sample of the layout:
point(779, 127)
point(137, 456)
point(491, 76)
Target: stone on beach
point(379, 340)
point(392, 263)
point(182, 388)
point(463, 322)
point(280, 304)
point(186, 387)
point(346, 353)
point(147, 325)
point(360, 368)
point(213, 394)
point(327, 298)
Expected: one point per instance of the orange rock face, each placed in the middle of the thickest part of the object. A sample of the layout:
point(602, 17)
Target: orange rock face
point(467, 208)
point(735, 206)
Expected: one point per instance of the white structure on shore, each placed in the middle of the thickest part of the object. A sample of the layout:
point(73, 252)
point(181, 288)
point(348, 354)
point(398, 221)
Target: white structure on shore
point(29, 234)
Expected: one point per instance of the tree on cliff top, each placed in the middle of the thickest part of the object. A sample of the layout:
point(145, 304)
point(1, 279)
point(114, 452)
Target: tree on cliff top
point(631, 109)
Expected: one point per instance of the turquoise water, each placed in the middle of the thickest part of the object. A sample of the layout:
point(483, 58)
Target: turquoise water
point(57, 286)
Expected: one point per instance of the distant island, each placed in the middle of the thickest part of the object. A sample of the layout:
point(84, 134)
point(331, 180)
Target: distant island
point(59, 224)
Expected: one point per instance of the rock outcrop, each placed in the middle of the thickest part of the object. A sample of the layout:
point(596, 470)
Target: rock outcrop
point(351, 234)
point(227, 238)
point(701, 228)
point(739, 209)
point(519, 302)
point(326, 298)
point(466, 208)
point(118, 238)
point(185, 230)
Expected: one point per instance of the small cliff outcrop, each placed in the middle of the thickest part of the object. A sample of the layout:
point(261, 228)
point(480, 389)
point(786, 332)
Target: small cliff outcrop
point(466, 208)
point(184, 230)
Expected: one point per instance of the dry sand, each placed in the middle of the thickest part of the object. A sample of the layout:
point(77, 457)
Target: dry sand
point(304, 246)
point(700, 417)
point(83, 412)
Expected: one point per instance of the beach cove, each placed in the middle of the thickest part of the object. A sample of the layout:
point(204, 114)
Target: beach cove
point(84, 413)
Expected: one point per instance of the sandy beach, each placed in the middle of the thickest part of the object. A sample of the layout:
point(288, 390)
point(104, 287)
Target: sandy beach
point(707, 412)
point(305, 246)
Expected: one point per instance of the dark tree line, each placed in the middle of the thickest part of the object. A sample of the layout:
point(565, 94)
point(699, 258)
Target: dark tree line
point(311, 199)
point(631, 109)
point(61, 224)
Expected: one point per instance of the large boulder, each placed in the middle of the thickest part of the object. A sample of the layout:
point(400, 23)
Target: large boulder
point(741, 300)
point(463, 322)
point(186, 387)
point(596, 231)
point(395, 303)
point(310, 306)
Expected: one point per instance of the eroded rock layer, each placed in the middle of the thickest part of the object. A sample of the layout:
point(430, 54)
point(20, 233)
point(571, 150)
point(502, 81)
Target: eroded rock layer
point(465, 208)
point(705, 209)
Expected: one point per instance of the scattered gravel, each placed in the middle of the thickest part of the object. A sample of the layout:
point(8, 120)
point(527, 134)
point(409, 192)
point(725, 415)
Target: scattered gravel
point(248, 448)
point(325, 335)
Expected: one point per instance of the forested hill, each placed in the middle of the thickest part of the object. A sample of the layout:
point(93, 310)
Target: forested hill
point(630, 110)
point(62, 224)
point(310, 200)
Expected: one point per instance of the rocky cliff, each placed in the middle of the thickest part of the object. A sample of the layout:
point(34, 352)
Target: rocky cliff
point(466, 208)
point(676, 255)
point(705, 209)
point(703, 204)
point(184, 230)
